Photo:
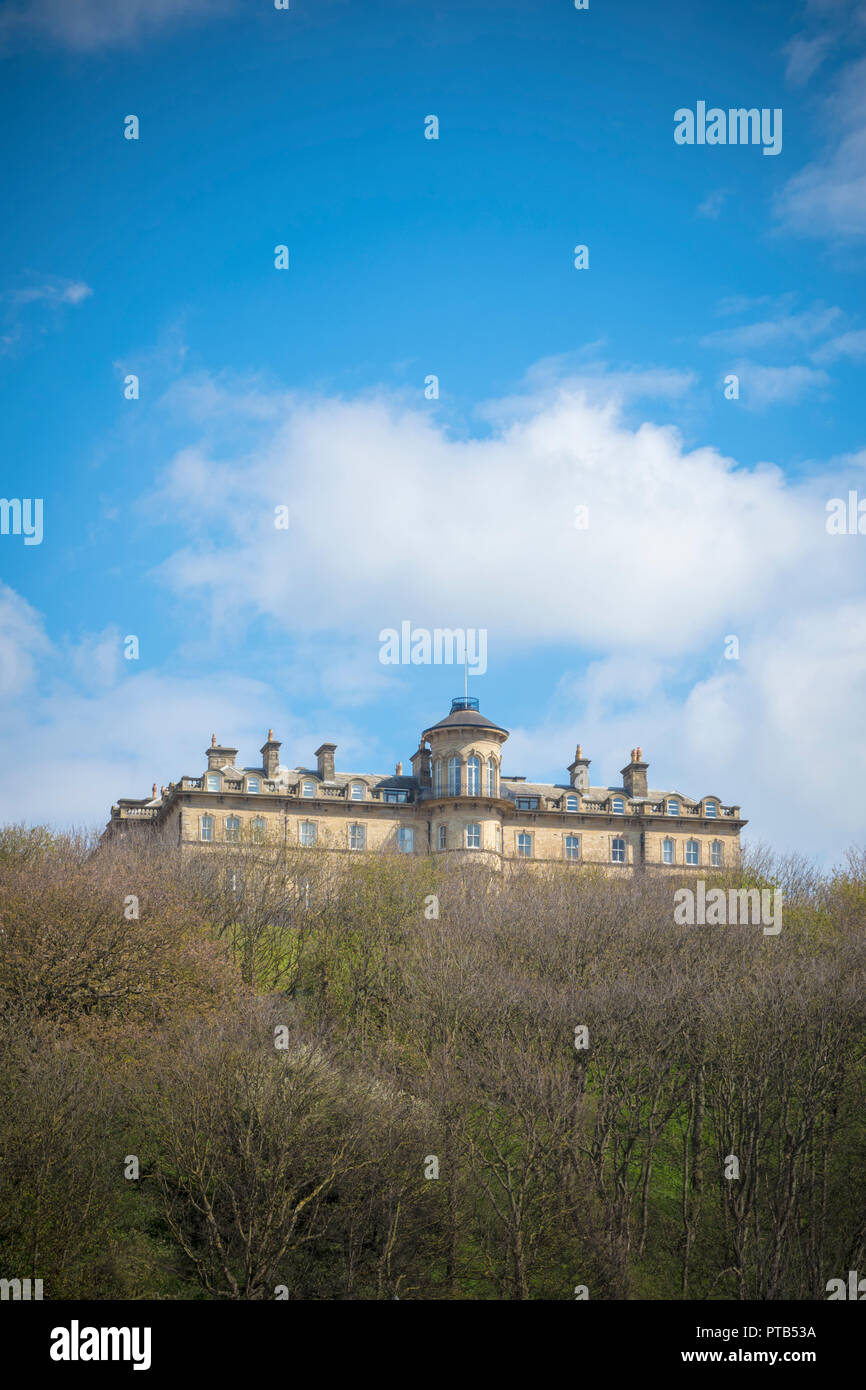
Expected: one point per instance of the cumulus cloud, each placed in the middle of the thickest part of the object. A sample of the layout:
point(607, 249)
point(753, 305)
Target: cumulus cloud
point(393, 517)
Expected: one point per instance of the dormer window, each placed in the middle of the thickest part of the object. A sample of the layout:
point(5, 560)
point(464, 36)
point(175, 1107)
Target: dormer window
point(213, 781)
point(571, 803)
point(395, 794)
point(618, 806)
point(308, 789)
point(253, 785)
point(527, 803)
point(357, 791)
point(711, 809)
point(673, 807)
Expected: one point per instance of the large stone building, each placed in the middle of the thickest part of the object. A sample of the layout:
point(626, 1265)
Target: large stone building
point(457, 801)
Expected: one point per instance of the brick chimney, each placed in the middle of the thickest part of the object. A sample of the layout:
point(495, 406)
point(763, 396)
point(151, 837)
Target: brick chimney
point(579, 770)
point(634, 775)
point(270, 752)
point(325, 757)
point(218, 756)
point(421, 766)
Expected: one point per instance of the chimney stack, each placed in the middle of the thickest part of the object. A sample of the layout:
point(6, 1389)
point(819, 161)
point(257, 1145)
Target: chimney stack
point(325, 756)
point(270, 752)
point(579, 770)
point(421, 766)
point(634, 775)
point(218, 756)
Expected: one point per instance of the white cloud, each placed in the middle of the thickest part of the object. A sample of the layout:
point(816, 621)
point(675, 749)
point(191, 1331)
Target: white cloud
point(827, 198)
point(782, 330)
point(805, 56)
point(762, 386)
point(712, 205)
point(393, 518)
point(22, 643)
point(846, 345)
point(86, 25)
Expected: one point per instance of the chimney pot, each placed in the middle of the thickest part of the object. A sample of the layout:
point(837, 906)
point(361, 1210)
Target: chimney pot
point(154, 790)
point(399, 769)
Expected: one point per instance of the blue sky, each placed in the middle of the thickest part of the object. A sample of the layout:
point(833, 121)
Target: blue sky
point(558, 388)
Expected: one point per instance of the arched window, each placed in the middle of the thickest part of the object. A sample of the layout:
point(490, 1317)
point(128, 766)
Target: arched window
point(213, 781)
point(308, 789)
point(453, 776)
point(617, 850)
point(473, 776)
point(437, 777)
point(711, 809)
point(524, 845)
point(233, 829)
point(207, 827)
point(473, 835)
point(571, 803)
point(491, 776)
point(667, 851)
point(253, 784)
point(572, 846)
point(618, 806)
point(717, 857)
point(693, 852)
point(357, 791)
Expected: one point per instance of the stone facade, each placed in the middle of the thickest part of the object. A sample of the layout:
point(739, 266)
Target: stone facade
point(456, 801)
